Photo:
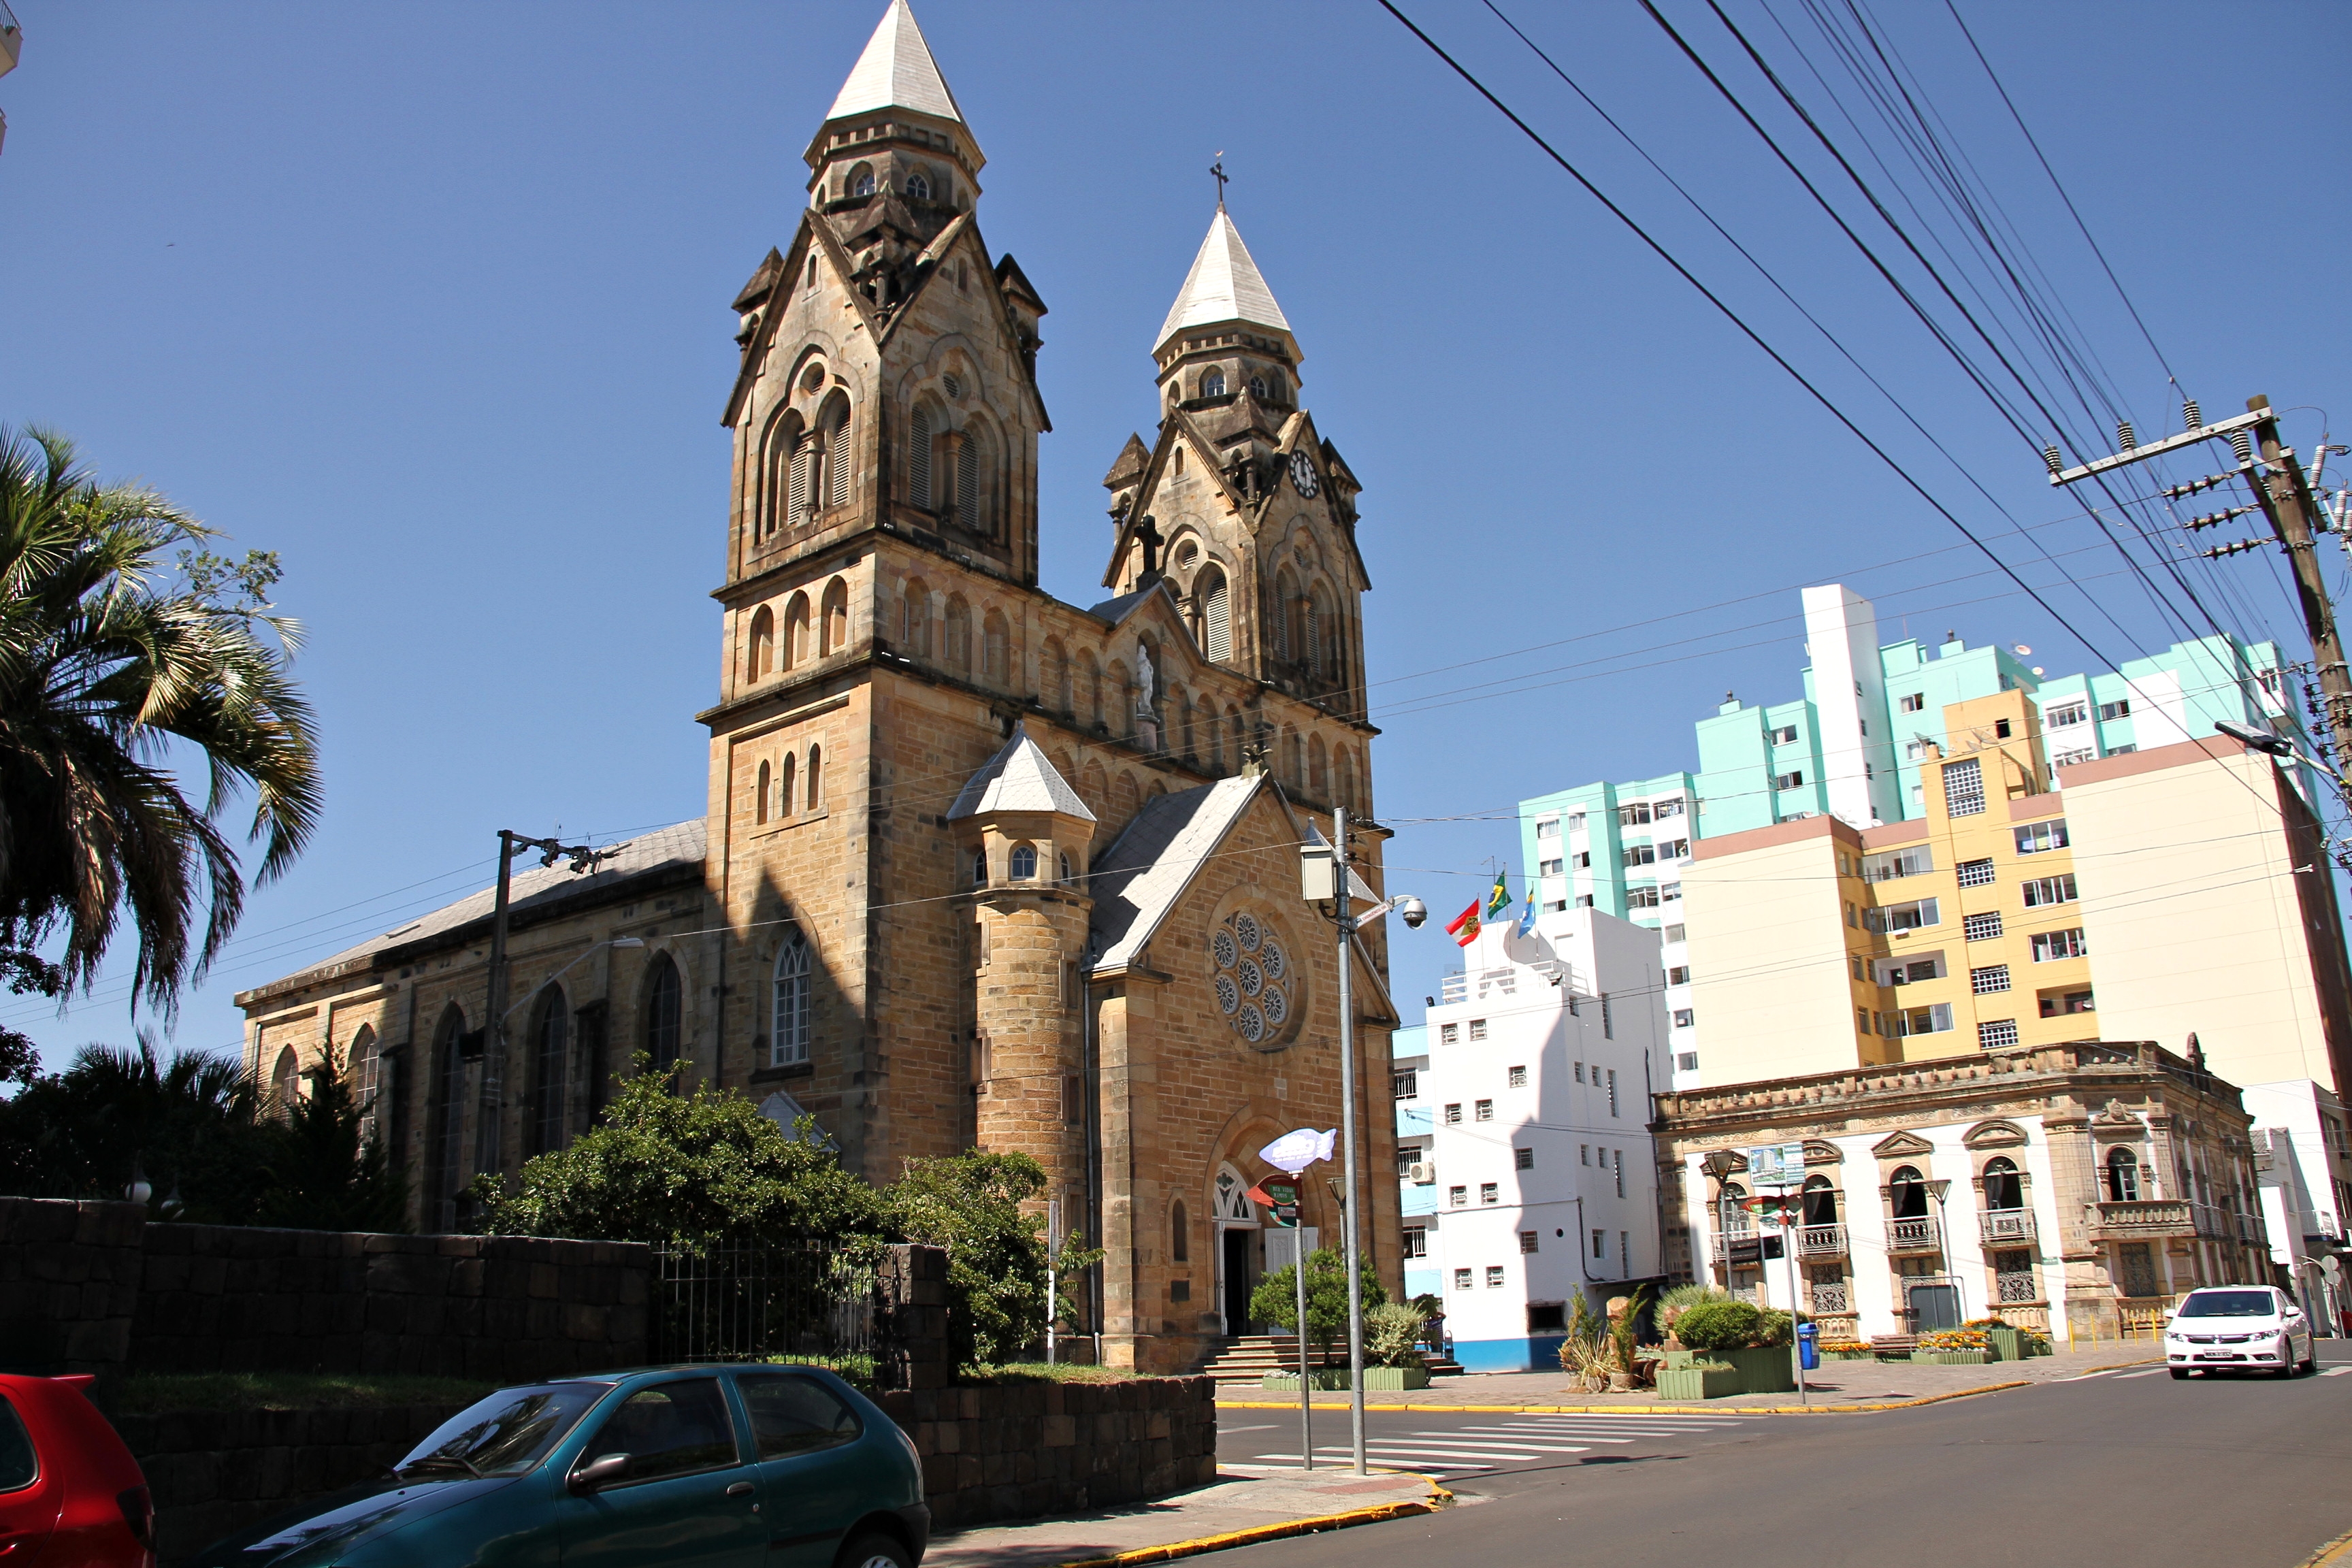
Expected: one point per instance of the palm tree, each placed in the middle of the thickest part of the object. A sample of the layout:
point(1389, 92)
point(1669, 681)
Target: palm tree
point(115, 668)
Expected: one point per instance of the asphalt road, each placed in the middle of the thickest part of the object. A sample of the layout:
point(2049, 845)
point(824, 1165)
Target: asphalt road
point(2123, 1468)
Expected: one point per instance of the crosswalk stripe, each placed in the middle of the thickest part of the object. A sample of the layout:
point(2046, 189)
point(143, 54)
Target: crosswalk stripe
point(1450, 1442)
point(1531, 1437)
point(1404, 1450)
point(1293, 1459)
point(2151, 1372)
point(2336, 1371)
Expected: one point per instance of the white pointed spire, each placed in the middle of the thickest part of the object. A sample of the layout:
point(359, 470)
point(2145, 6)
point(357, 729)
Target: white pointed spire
point(1020, 777)
point(895, 71)
point(1225, 284)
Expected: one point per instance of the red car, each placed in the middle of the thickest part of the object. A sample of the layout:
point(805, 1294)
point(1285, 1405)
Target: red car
point(70, 1494)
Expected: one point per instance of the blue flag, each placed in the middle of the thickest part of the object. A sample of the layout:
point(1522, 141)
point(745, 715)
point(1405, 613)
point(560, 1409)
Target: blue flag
point(1528, 914)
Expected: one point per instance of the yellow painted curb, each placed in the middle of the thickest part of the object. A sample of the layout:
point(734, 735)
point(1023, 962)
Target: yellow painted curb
point(1438, 1497)
point(1659, 1409)
point(2336, 1550)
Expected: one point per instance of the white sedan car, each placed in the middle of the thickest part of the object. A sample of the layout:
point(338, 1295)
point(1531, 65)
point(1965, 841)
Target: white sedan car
point(2238, 1328)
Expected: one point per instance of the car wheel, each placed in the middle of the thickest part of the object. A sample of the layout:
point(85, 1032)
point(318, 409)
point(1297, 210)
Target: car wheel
point(2179, 1373)
point(875, 1551)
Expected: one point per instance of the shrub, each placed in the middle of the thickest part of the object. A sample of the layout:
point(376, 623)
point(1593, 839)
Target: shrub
point(1275, 1300)
point(1774, 1329)
point(1724, 1325)
point(1392, 1335)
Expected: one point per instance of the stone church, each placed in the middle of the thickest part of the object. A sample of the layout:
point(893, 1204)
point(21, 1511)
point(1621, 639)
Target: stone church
point(979, 868)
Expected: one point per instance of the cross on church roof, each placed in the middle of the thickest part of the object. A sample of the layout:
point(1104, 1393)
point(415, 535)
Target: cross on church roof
point(1217, 172)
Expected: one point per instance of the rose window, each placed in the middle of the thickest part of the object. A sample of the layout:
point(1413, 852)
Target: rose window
point(1253, 978)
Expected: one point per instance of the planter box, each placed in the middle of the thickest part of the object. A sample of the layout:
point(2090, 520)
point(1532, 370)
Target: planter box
point(1850, 1355)
point(1390, 1378)
point(2007, 1344)
point(1683, 1358)
point(1316, 1377)
point(1682, 1382)
point(1766, 1371)
point(1951, 1358)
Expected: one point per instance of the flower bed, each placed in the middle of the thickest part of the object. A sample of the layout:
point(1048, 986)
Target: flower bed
point(1698, 1379)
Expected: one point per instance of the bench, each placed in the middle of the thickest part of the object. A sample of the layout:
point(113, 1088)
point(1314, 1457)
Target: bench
point(1898, 1345)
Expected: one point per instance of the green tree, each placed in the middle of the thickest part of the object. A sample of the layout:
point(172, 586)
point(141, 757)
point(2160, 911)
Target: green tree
point(663, 1166)
point(114, 668)
point(1275, 1300)
point(970, 1204)
point(189, 1124)
point(323, 1174)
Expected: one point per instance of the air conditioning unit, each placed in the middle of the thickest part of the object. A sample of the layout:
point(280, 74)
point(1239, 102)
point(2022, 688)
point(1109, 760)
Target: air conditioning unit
point(1420, 1173)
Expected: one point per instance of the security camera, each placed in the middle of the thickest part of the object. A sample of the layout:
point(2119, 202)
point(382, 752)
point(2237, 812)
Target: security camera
point(1412, 910)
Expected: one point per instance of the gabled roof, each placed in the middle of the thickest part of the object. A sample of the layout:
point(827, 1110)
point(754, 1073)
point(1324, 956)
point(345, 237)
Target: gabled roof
point(1020, 777)
point(895, 71)
point(1225, 284)
point(1114, 611)
point(1129, 464)
point(1137, 882)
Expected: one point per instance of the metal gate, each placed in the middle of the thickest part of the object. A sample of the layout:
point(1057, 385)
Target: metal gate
point(801, 1299)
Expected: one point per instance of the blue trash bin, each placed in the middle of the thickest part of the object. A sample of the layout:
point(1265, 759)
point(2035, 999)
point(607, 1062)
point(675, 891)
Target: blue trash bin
point(1809, 1353)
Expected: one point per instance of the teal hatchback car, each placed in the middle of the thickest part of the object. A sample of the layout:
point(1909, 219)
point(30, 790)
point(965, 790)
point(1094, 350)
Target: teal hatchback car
point(683, 1466)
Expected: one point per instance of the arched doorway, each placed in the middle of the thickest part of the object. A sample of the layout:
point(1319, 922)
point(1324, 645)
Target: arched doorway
point(1237, 1257)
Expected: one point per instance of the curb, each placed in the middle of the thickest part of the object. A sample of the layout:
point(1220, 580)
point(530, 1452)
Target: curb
point(2338, 1550)
point(1315, 1525)
point(1690, 1409)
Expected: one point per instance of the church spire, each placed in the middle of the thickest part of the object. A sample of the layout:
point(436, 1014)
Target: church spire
point(895, 71)
point(1224, 285)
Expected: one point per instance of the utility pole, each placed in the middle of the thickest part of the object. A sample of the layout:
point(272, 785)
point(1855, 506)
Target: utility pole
point(489, 1141)
point(1347, 1225)
point(2283, 495)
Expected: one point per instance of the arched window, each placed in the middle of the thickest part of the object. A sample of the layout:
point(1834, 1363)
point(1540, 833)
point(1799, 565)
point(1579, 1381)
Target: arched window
point(918, 457)
point(837, 464)
point(1233, 732)
point(789, 1045)
point(550, 1054)
point(1343, 768)
point(1232, 1200)
point(1321, 633)
point(1023, 868)
point(815, 786)
point(762, 658)
point(1094, 692)
point(994, 654)
point(785, 798)
point(2003, 1187)
point(1284, 607)
point(1179, 1233)
point(1318, 774)
point(1819, 1199)
point(1908, 1193)
point(915, 619)
point(1214, 598)
point(760, 800)
point(665, 1013)
point(1183, 701)
point(959, 634)
point(1216, 737)
point(1064, 860)
point(833, 631)
point(366, 1066)
point(285, 1083)
point(970, 498)
point(1293, 760)
point(1095, 789)
point(1212, 384)
point(802, 461)
point(1257, 387)
point(979, 867)
point(448, 1113)
point(1057, 676)
point(861, 180)
point(796, 632)
point(779, 470)
point(2123, 1177)
point(919, 188)
point(1126, 800)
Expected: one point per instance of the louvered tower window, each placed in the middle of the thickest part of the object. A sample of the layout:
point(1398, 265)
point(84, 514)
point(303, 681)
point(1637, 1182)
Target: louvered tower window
point(837, 453)
point(1216, 618)
point(919, 458)
point(967, 483)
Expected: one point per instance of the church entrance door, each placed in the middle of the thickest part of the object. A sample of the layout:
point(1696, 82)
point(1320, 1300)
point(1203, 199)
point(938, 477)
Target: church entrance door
point(1237, 1249)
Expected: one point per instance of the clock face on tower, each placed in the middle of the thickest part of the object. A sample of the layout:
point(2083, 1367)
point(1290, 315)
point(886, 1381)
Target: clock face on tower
point(1302, 475)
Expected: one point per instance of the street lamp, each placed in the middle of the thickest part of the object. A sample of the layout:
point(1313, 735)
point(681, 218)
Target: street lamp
point(2277, 745)
point(1936, 1190)
point(1720, 1164)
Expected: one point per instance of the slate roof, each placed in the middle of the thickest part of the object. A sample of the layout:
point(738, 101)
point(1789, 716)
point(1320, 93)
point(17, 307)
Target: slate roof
point(895, 71)
point(1139, 878)
point(1020, 777)
point(1225, 284)
point(534, 886)
point(1114, 611)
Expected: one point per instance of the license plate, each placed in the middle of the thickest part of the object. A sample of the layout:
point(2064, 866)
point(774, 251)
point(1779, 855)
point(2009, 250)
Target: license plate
point(2212, 1355)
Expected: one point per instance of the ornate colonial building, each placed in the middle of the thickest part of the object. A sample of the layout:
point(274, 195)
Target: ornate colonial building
point(979, 868)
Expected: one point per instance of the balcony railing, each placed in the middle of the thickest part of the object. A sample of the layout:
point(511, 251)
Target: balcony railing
point(1821, 1241)
point(2135, 1219)
point(1911, 1236)
point(1719, 1240)
point(1999, 1226)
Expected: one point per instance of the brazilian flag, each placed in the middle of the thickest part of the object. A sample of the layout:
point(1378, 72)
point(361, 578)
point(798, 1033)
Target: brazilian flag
point(1499, 902)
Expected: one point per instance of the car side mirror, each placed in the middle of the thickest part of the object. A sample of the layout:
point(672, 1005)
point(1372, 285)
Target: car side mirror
point(601, 1471)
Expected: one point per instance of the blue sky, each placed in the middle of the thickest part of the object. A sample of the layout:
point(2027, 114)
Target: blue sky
point(431, 299)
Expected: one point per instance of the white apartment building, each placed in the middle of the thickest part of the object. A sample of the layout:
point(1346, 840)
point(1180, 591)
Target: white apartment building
point(1536, 1178)
point(2303, 1154)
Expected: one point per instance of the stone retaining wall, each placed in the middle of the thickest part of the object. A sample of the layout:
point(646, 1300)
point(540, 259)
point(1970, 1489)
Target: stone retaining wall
point(217, 1471)
point(1015, 1452)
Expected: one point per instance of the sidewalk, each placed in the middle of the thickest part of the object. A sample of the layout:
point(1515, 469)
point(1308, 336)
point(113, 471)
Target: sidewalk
point(1842, 1386)
point(1236, 1511)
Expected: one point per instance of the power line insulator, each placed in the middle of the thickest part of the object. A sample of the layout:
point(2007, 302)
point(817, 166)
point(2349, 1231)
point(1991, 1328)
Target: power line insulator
point(2238, 548)
point(2050, 455)
point(2190, 419)
point(2123, 437)
point(2242, 444)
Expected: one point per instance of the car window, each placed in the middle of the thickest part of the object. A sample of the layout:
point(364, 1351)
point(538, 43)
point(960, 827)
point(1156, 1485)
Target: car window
point(509, 1432)
point(797, 1415)
point(669, 1430)
point(19, 1466)
point(2228, 1304)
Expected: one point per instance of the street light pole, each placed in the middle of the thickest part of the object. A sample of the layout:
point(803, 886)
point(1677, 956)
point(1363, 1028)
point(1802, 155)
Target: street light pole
point(1936, 1190)
point(489, 1141)
point(1348, 1227)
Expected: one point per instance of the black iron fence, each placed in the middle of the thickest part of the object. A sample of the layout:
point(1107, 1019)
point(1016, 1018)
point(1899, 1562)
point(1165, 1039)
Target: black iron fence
point(798, 1298)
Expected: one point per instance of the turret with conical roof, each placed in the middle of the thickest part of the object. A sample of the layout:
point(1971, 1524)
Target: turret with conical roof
point(1225, 335)
point(895, 129)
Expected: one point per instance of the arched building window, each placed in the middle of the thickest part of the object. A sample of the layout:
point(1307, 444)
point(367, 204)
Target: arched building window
point(918, 457)
point(1284, 609)
point(837, 464)
point(761, 656)
point(915, 619)
point(550, 1056)
point(2123, 1177)
point(861, 180)
point(1320, 629)
point(1023, 866)
point(285, 1083)
point(1211, 593)
point(760, 799)
point(366, 1065)
point(664, 1010)
point(994, 654)
point(789, 1045)
point(2003, 1187)
point(1212, 384)
point(834, 629)
point(816, 779)
point(1057, 676)
point(1318, 774)
point(796, 632)
point(1908, 1193)
point(448, 1114)
point(979, 867)
point(1819, 1199)
point(919, 188)
point(959, 634)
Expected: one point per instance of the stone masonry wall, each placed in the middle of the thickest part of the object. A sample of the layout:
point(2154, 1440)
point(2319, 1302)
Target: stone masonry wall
point(69, 1277)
